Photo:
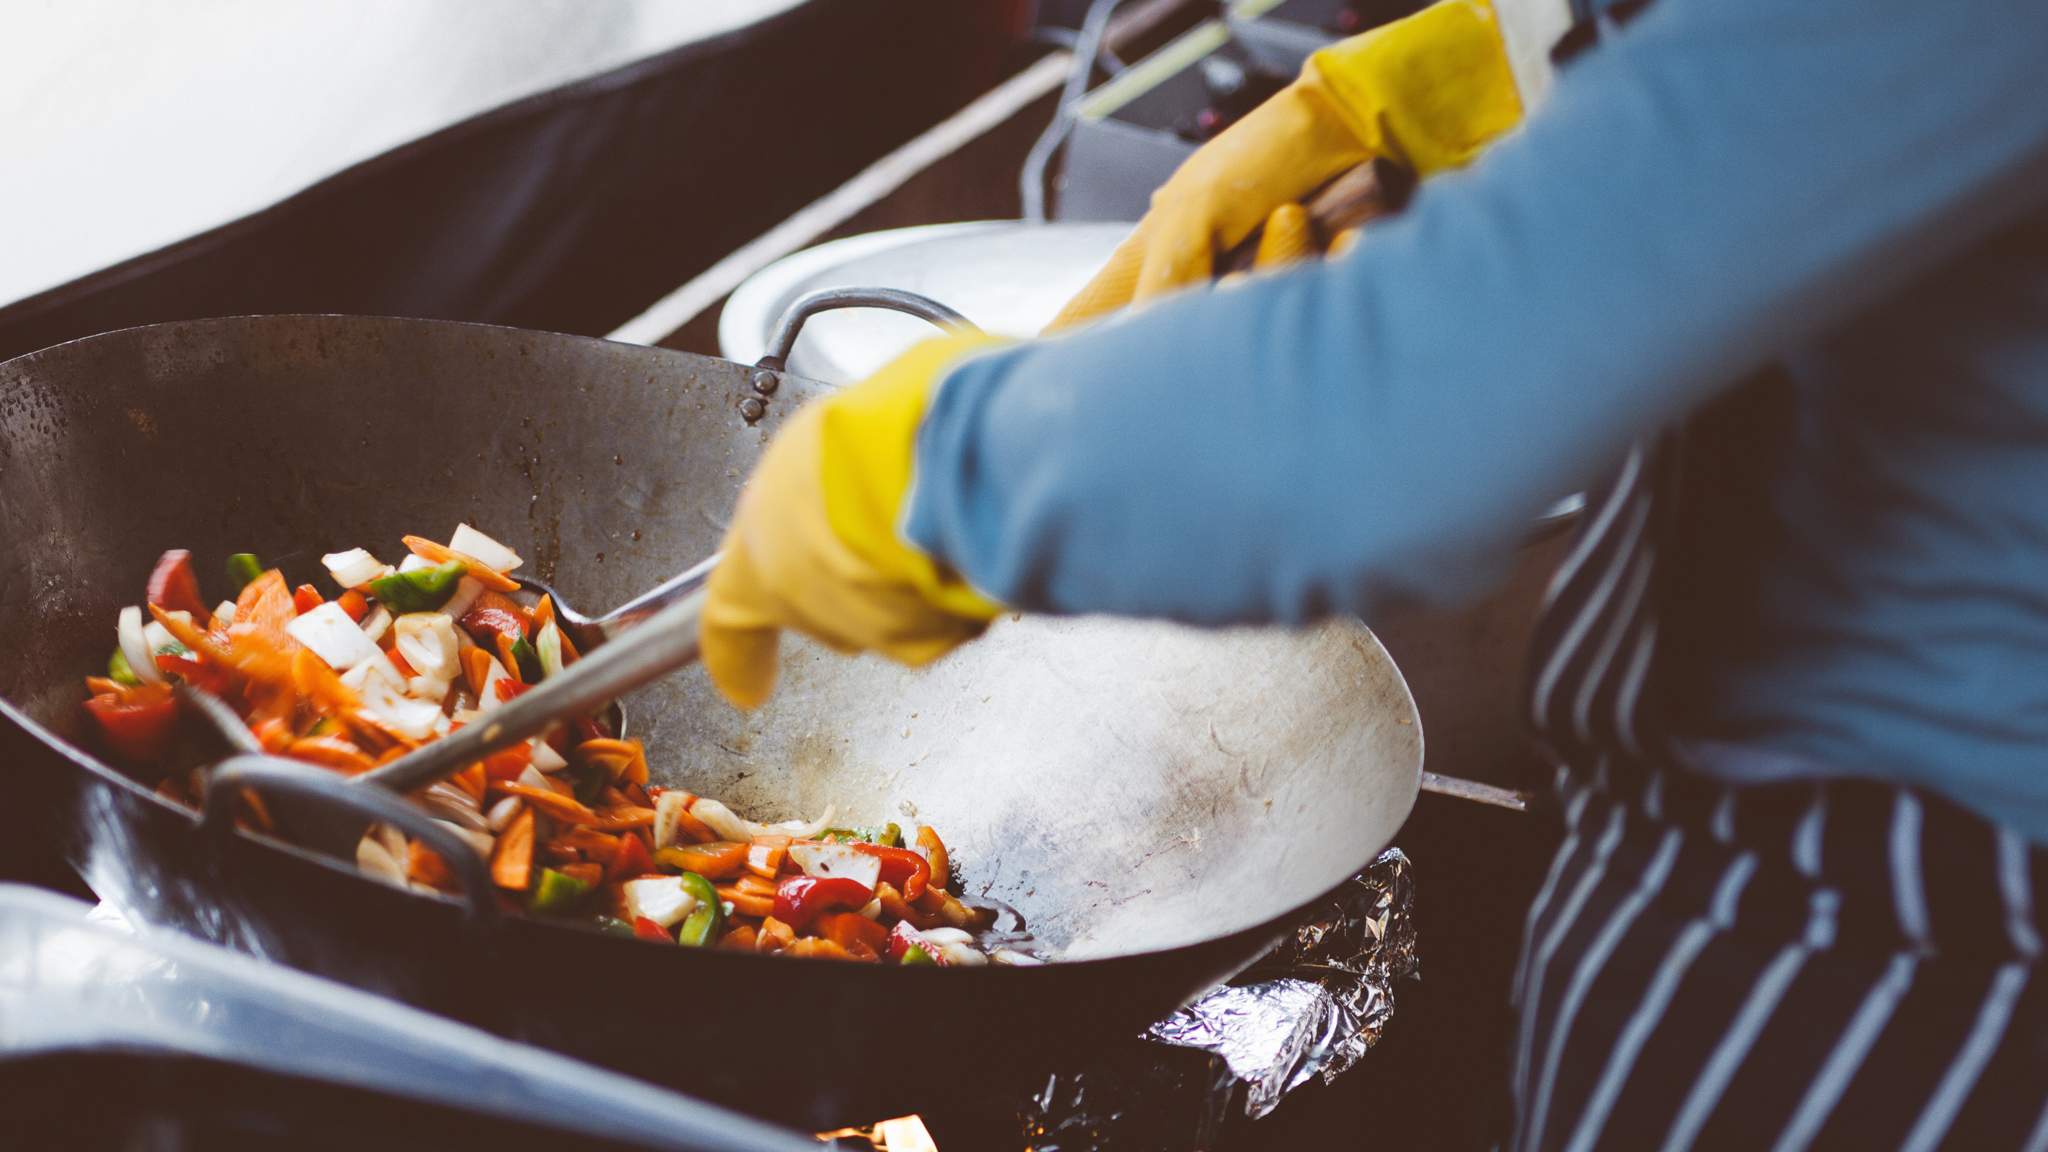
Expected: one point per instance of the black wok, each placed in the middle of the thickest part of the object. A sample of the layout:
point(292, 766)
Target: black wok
point(1155, 801)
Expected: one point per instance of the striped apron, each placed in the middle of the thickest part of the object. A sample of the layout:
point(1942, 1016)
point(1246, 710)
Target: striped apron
point(1833, 963)
point(1827, 962)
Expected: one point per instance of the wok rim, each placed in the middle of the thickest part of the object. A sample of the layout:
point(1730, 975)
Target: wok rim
point(1268, 929)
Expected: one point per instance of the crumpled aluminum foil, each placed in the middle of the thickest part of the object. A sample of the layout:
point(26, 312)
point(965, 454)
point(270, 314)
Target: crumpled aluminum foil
point(1315, 1004)
point(1310, 1008)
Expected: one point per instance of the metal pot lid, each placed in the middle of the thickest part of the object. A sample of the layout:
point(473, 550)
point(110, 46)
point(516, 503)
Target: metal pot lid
point(1007, 276)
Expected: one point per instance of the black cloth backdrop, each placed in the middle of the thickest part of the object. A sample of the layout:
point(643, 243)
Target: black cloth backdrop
point(573, 209)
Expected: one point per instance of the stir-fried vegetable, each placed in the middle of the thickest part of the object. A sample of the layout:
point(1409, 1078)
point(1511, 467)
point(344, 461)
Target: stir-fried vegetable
point(356, 672)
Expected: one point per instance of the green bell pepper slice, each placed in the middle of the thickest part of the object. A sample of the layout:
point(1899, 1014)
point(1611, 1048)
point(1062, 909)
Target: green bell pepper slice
point(887, 836)
point(529, 661)
point(613, 926)
point(420, 590)
point(557, 892)
point(243, 569)
point(915, 956)
point(700, 927)
point(120, 671)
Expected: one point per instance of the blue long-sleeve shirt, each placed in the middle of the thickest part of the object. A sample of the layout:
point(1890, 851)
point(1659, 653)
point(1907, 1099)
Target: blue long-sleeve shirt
point(1855, 188)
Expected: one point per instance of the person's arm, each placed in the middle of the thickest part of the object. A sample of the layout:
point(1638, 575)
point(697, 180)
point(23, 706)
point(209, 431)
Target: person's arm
point(1722, 178)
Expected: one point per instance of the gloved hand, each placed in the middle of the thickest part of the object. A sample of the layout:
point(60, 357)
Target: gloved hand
point(815, 546)
point(1428, 91)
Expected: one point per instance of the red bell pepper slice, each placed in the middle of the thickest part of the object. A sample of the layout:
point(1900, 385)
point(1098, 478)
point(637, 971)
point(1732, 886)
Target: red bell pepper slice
point(509, 689)
point(648, 930)
point(196, 673)
point(903, 937)
point(486, 624)
point(355, 604)
point(802, 899)
point(305, 598)
point(901, 867)
point(631, 860)
point(174, 588)
point(138, 729)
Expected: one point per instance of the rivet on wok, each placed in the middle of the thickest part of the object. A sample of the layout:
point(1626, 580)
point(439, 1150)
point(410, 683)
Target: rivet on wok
point(766, 382)
point(753, 409)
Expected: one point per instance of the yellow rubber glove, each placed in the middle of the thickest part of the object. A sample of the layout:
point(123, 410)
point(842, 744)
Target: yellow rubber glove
point(815, 545)
point(1429, 91)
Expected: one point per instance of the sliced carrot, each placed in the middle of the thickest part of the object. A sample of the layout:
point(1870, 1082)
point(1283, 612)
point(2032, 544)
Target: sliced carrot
point(331, 752)
point(508, 763)
point(755, 886)
point(626, 759)
point(426, 866)
point(355, 604)
point(101, 686)
point(504, 643)
point(544, 613)
point(623, 817)
point(590, 874)
point(263, 609)
point(852, 931)
point(471, 780)
point(188, 633)
point(512, 856)
point(766, 854)
point(482, 573)
point(318, 685)
point(398, 661)
point(746, 904)
point(558, 852)
point(935, 853)
point(740, 939)
point(274, 734)
point(305, 598)
point(567, 809)
point(476, 668)
point(713, 861)
point(819, 949)
point(596, 845)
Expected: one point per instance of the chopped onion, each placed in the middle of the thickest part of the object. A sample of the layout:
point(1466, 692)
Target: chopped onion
point(375, 860)
point(427, 642)
point(377, 623)
point(531, 777)
point(729, 826)
point(392, 839)
point(353, 568)
point(668, 815)
point(662, 899)
point(944, 935)
point(488, 700)
point(135, 646)
point(837, 861)
point(483, 549)
point(1014, 958)
point(376, 684)
point(427, 688)
point(548, 645)
point(159, 637)
point(224, 613)
point(414, 562)
point(454, 805)
point(479, 840)
point(546, 758)
point(963, 955)
point(333, 637)
point(466, 592)
point(872, 909)
point(502, 812)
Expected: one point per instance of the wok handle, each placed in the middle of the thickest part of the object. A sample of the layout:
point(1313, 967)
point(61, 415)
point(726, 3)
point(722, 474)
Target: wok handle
point(271, 775)
point(1378, 187)
point(783, 342)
